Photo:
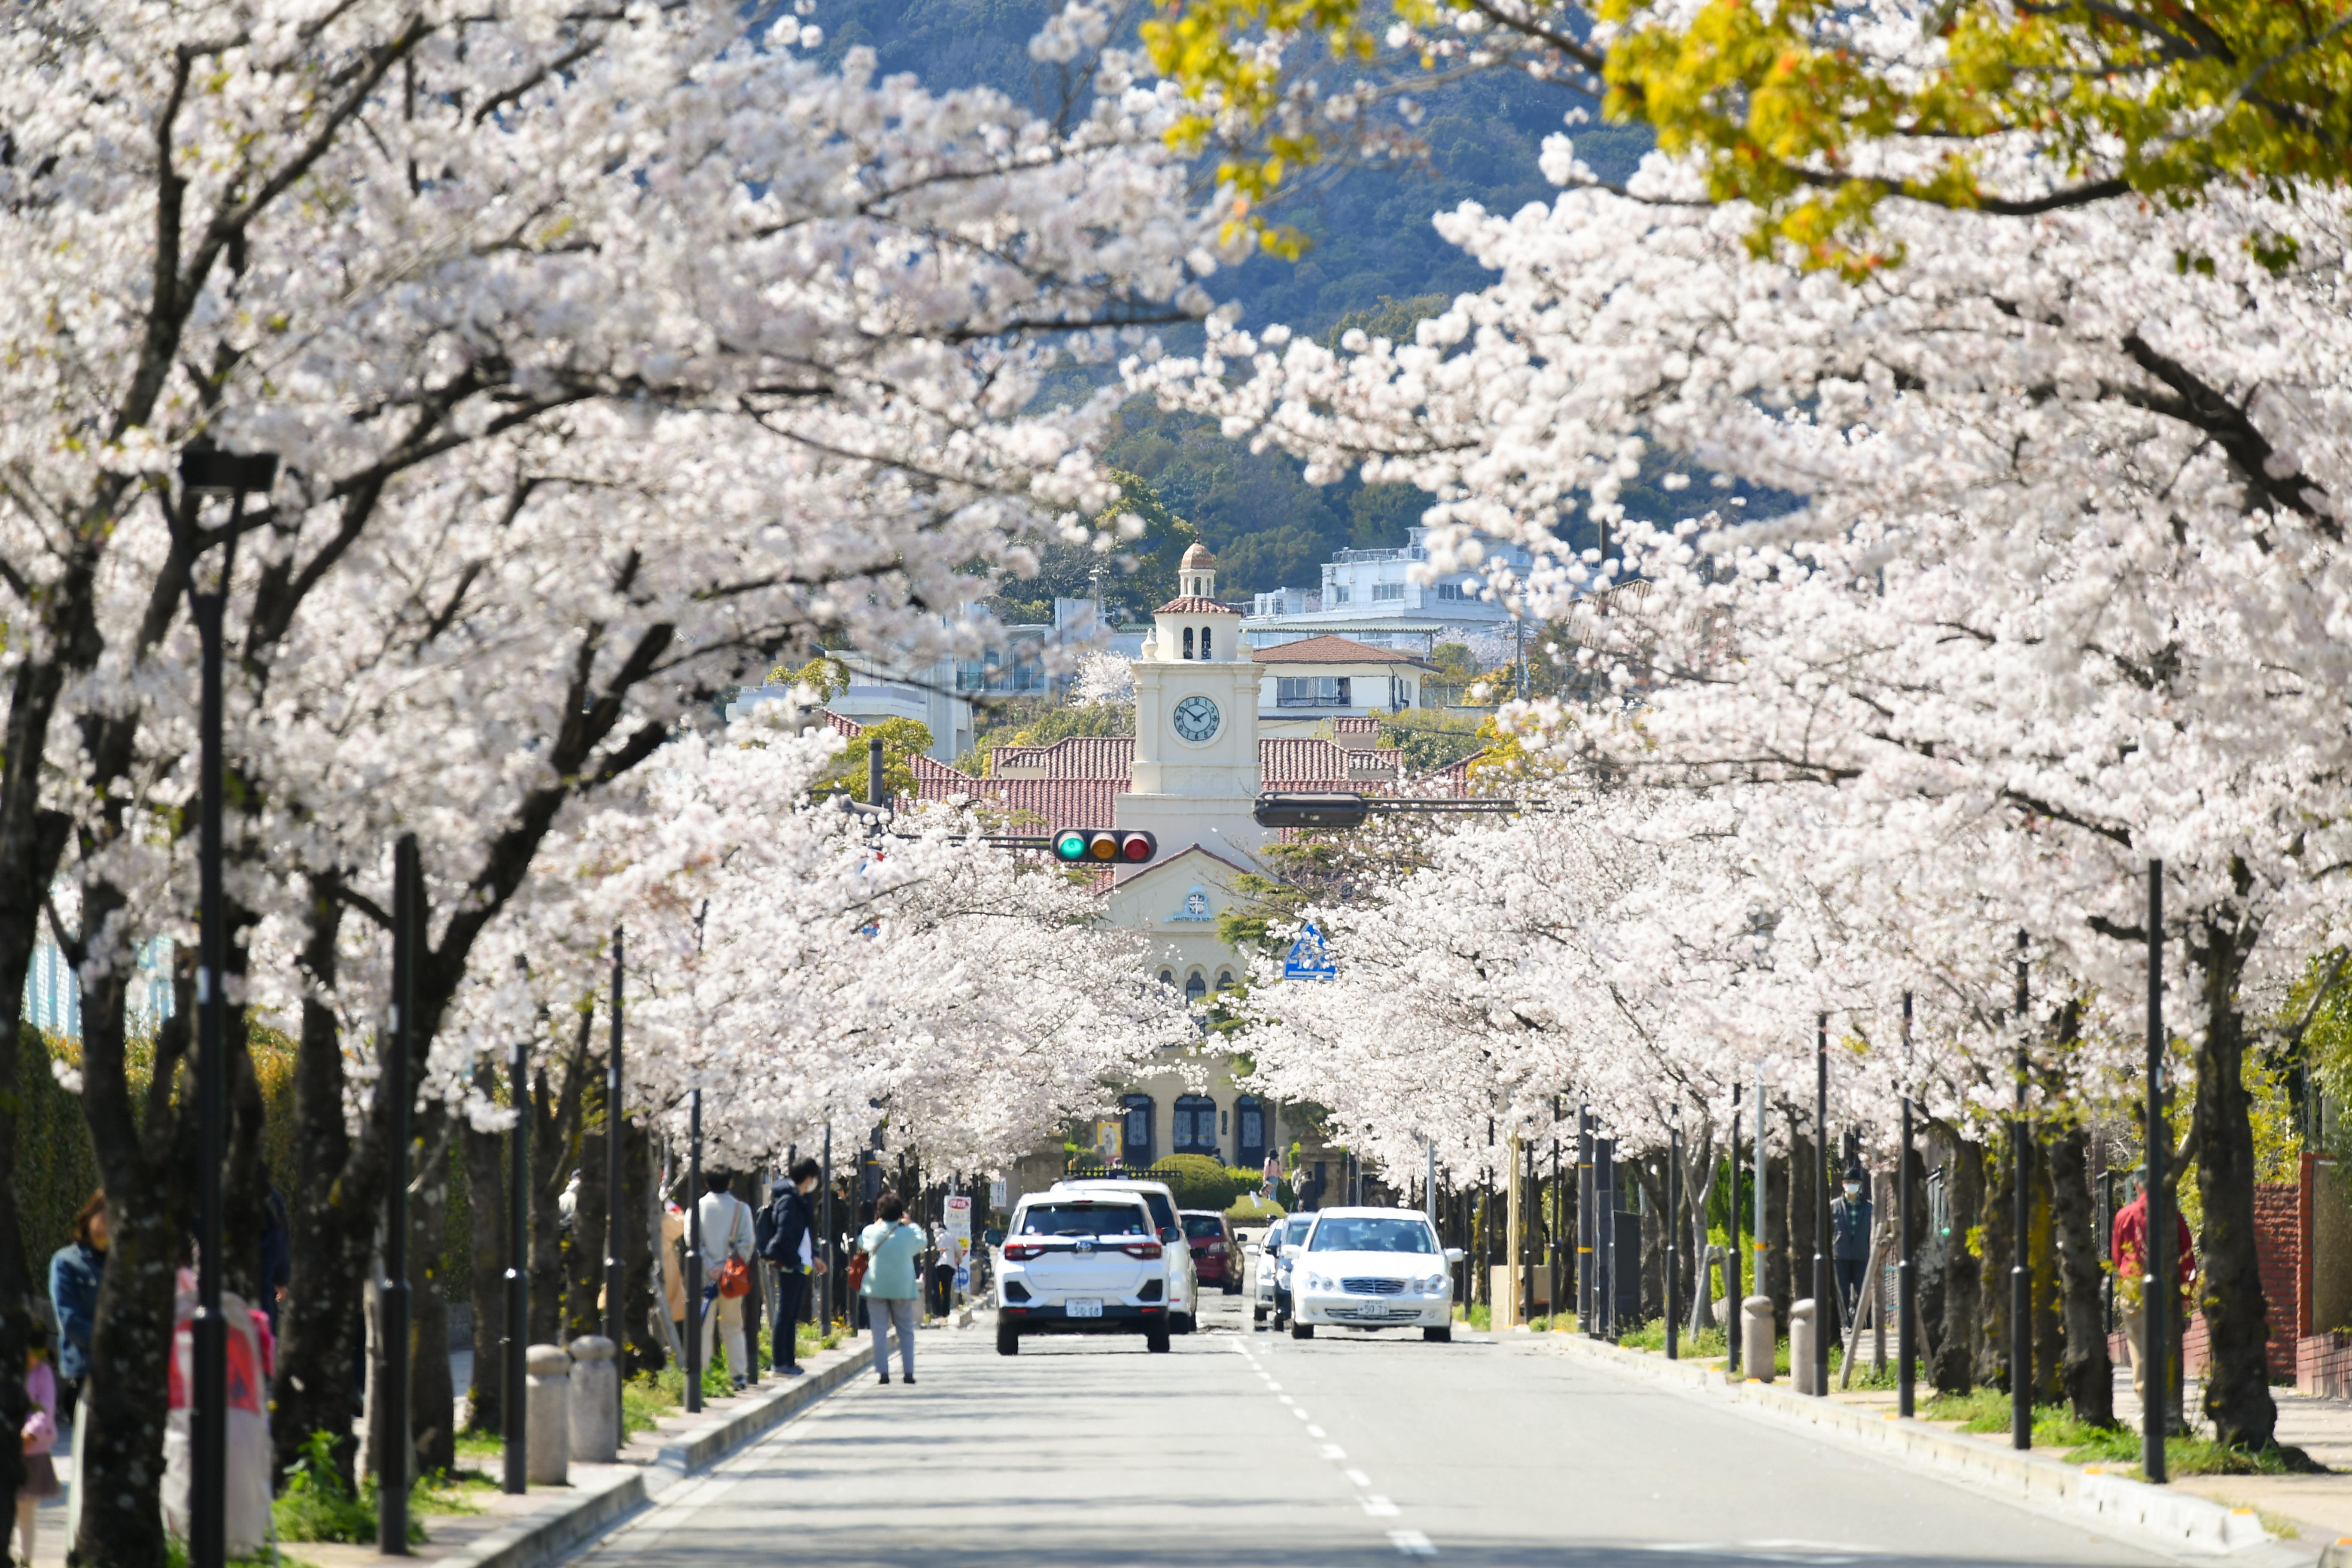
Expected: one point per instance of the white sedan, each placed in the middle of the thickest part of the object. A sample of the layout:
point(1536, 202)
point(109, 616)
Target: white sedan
point(1373, 1268)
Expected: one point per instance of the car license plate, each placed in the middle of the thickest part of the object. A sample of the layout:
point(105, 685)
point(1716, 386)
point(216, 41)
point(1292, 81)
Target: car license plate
point(1084, 1308)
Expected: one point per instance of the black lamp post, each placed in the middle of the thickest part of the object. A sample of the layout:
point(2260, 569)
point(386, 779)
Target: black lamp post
point(2020, 1269)
point(514, 1368)
point(207, 473)
point(391, 1466)
point(1731, 1298)
point(615, 1134)
point(694, 1253)
point(1824, 1287)
point(1906, 1296)
point(1673, 1225)
point(2156, 1289)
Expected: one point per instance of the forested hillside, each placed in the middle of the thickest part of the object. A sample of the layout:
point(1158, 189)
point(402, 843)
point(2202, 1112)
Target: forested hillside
point(1373, 259)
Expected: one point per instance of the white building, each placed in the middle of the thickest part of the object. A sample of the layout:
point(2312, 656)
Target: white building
point(1368, 597)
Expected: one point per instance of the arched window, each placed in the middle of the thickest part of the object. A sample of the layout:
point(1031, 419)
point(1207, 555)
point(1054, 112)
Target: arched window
point(1168, 977)
point(1137, 1134)
point(1249, 1131)
point(1188, 642)
point(1195, 987)
point(1196, 1125)
point(1224, 980)
point(1205, 631)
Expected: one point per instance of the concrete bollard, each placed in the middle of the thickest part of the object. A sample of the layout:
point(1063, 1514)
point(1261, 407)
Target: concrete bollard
point(1756, 1338)
point(1802, 1327)
point(548, 1460)
point(595, 1401)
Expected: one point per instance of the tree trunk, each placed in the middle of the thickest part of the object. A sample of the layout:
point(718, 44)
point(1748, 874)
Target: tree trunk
point(1954, 1368)
point(2087, 1378)
point(646, 1351)
point(2042, 1253)
point(485, 1213)
point(143, 1157)
point(1777, 1282)
point(432, 1401)
point(1993, 1262)
point(555, 1123)
point(1696, 1197)
point(331, 1216)
point(1804, 1171)
point(2237, 1372)
point(584, 1250)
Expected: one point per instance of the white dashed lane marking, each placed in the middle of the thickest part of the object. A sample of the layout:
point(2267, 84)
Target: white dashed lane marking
point(1412, 1543)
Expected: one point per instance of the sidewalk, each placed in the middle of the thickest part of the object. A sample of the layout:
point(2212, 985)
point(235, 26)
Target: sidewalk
point(546, 1522)
point(2301, 1513)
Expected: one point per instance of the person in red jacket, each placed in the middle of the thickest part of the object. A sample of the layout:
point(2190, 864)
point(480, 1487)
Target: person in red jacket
point(2128, 1247)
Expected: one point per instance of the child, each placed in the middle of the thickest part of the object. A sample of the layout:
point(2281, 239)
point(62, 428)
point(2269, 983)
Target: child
point(40, 1437)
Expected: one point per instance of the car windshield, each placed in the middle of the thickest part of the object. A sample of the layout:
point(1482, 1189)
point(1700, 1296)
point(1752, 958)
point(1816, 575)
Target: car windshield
point(1084, 1219)
point(1205, 1227)
point(1344, 1233)
point(1300, 1224)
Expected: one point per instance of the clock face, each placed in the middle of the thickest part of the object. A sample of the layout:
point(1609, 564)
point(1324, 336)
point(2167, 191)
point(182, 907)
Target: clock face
point(1195, 719)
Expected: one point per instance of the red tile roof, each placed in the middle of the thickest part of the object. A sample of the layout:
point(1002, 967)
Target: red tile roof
point(1329, 649)
point(1196, 606)
point(1072, 757)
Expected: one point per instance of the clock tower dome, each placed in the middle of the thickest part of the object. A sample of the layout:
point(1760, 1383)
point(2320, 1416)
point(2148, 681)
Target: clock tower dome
point(1196, 775)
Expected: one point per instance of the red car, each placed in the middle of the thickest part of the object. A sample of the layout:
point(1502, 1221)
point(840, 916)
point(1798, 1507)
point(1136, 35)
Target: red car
point(1216, 1260)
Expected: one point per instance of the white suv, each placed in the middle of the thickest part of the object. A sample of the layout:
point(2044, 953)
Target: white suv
point(1373, 1268)
point(1082, 1262)
point(1183, 1285)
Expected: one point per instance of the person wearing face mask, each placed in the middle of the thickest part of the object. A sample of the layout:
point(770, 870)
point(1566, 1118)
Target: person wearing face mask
point(1848, 1242)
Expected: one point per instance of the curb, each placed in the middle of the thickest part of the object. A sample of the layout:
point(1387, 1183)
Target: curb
point(2179, 1520)
point(564, 1524)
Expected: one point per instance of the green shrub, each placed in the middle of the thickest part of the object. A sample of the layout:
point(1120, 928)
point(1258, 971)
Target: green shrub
point(1249, 1209)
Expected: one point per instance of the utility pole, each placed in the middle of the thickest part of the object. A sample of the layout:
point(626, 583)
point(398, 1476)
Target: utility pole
point(1672, 1222)
point(1731, 1297)
point(694, 1252)
point(616, 1129)
point(1585, 1222)
point(392, 1467)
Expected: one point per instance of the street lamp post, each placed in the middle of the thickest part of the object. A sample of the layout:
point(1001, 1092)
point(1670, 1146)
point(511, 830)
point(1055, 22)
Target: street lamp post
point(693, 1254)
point(1906, 1282)
point(1585, 1222)
point(1825, 1285)
point(2020, 1269)
point(392, 1466)
point(206, 473)
point(1731, 1298)
point(514, 1366)
point(615, 1211)
point(2155, 1289)
point(1672, 1222)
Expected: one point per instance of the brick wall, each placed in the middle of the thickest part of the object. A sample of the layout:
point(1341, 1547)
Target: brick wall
point(2281, 1237)
point(2322, 1365)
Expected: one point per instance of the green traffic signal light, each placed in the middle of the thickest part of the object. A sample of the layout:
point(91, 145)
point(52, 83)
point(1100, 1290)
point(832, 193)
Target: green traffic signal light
point(1070, 845)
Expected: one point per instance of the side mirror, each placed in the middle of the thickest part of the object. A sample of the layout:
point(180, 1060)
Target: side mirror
point(1253, 1251)
point(1454, 1255)
point(992, 1236)
point(1168, 1234)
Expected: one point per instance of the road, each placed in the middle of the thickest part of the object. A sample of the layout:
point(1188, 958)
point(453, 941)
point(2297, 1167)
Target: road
point(1251, 1448)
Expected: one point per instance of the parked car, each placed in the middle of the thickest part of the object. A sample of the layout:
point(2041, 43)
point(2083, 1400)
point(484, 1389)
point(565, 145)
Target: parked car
point(1272, 1294)
point(1183, 1284)
point(1080, 1263)
point(1216, 1260)
point(1373, 1268)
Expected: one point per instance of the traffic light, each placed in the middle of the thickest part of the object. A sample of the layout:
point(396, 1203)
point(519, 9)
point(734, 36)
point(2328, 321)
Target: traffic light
point(1303, 810)
point(1103, 846)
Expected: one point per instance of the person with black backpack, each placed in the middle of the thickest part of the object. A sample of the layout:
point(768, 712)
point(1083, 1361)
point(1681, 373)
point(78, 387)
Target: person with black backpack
point(788, 1240)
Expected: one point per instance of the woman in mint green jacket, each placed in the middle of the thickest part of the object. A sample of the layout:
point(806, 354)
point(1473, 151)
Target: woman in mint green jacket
point(890, 1291)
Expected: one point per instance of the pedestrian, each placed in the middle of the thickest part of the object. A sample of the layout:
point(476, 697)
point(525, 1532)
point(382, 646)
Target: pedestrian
point(1270, 1174)
point(673, 1235)
point(276, 1256)
point(40, 1435)
point(791, 1248)
point(2128, 1247)
point(889, 1291)
point(75, 1270)
point(567, 1202)
point(726, 1238)
point(1849, 1244)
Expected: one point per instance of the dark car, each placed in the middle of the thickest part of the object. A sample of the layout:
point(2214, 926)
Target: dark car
point(1216, 1260)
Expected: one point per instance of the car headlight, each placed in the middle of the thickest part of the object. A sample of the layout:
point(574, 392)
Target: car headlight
point(1317, 1282)
point(1434, 1286)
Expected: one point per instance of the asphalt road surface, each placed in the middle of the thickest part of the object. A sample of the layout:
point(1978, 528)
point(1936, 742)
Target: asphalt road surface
point(1251, 1448)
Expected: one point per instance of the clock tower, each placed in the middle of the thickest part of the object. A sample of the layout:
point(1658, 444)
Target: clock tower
point(1196, 775)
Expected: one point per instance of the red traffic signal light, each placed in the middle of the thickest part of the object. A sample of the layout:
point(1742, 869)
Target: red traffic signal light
point(1103, 846)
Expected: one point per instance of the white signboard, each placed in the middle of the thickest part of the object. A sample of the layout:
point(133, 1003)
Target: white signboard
point(960, 1216)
